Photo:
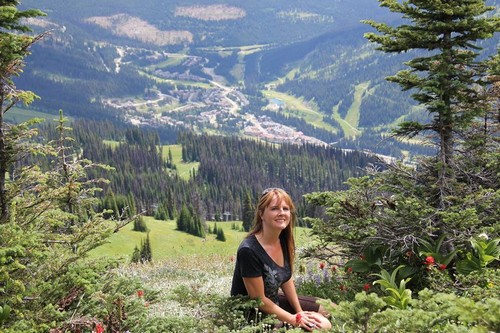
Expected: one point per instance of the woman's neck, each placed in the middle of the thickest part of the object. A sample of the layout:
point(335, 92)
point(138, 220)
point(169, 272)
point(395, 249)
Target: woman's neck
point(268, 238)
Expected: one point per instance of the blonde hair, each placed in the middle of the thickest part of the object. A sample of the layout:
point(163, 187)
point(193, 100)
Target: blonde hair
point(286, 234)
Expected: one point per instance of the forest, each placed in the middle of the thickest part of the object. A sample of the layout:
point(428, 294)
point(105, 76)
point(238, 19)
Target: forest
point(229, 168)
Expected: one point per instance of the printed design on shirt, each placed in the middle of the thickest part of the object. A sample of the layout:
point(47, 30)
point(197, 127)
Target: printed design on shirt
point(271, 282)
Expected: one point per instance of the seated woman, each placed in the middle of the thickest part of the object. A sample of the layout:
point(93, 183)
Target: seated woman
point(264, 265)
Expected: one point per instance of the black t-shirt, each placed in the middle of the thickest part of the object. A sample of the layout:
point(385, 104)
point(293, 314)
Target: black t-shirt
point(253, 261)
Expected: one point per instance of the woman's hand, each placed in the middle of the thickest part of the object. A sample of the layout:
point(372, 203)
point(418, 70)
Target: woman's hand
point(308, 320)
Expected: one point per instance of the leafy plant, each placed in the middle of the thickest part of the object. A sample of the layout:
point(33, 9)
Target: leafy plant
point(431, 248)
point(370, 260)
point(484, 252)
point(4, 312)
point(399, 296)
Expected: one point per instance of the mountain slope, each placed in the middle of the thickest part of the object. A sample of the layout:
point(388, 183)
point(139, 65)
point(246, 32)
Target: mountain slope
point(218, 67)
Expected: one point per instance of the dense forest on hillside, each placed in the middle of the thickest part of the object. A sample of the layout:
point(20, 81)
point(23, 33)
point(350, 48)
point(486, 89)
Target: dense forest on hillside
point(230, 168)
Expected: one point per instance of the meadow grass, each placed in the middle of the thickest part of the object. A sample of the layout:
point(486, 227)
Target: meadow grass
point(183, 169)
point(168, 243)
point(18, 115)
point(300, 108)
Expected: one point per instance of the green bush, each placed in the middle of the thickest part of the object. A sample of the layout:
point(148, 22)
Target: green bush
point(429, 312)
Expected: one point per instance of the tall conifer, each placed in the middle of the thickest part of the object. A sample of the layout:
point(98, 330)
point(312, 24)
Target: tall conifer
point(445, 74)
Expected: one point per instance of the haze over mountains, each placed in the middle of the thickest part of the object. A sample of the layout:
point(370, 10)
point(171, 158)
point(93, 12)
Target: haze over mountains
point(281, 70)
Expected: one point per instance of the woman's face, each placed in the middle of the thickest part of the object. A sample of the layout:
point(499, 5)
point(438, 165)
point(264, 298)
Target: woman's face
point(276, 215)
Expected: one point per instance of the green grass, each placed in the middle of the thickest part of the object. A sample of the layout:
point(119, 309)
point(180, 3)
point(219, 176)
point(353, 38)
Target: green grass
point(297, 107)
point(183, 169)
point(18, 115)
point(167, 243)
point(351, 122)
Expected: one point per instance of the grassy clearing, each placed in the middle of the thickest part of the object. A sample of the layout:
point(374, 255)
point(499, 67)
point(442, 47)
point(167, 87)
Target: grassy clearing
point(300, 109)
point(18, 115)
point(351, 122)
point(183, 169)
point(169, 244)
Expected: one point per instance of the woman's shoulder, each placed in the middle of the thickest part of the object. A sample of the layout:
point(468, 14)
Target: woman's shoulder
point(248, 242)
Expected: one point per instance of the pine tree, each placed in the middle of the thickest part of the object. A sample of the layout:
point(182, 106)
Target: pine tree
point(183, 219)
point(136, 255)
point(14, 46)
point(248, 212)
point(146, 252)
point(220, 235)
point(447, 75)
point(140, 224)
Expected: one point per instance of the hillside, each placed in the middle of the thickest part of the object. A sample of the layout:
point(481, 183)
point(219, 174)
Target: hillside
point(217, 68)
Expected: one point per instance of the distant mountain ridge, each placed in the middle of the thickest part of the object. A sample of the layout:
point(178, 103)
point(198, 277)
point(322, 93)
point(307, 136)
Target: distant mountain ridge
point(177, 62)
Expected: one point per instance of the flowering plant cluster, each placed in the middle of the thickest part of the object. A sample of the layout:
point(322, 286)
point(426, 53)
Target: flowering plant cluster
point(431, 262)
point(334, 282)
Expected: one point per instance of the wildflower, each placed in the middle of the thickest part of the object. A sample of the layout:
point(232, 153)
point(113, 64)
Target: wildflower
point(366, 287)
point(99, 328)
point(483, 236)
point(349, 270)
point(321, 265)
point(140, 293)
point(334, 268)
point(429, 261)
point(442, 267)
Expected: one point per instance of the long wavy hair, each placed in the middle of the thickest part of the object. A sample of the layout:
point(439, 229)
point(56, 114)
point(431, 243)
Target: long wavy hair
point(286, 234)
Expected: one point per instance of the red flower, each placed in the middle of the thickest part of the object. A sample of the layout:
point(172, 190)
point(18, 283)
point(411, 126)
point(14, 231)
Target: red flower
point(442, 267)
point(349, 270)
point(429, 261)
point(321, 265)
point(334, 268)
point(140, 293)
point(366, 287)
point(99, 328)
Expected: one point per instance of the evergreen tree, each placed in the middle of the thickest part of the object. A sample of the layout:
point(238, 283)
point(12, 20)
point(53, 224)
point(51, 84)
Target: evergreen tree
point(248, 212)
point(15, 45)
point(146, 252)
point(136, 255)
point(390, 215)
point(220, 235)
point(446, 77)
point(140, 224)
point(183, 219)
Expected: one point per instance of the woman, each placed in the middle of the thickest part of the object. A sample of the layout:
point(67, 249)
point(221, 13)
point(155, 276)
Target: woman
point(264, 264)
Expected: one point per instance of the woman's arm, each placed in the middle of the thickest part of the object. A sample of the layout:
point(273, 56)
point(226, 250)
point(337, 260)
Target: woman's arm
point(255, 289)
point(291, 295)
